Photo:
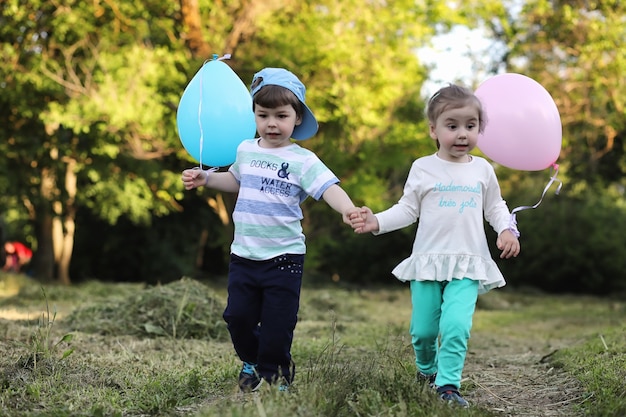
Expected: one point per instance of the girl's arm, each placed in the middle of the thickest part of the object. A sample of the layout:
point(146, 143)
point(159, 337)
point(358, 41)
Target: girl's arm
point(222, 181)
point(339, 200)
point(498, 215)
point(407, 210)
point(496, 211)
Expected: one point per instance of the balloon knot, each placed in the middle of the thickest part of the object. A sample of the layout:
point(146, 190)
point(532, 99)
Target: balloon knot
point(216, 57)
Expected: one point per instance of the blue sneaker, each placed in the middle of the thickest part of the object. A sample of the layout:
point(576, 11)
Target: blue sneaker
point(451, 395)
point(422, 378)
point(249, 379)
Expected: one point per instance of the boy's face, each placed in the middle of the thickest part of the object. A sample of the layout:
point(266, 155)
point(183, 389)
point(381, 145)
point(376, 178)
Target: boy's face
point(275, 125)
point(457, 133)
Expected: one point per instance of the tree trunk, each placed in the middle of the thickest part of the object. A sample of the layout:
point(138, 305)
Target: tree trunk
point(244, 19)
point(55, 224)
point(193, 26)
point(66, 220)
point(43, 260)
point(63, 263)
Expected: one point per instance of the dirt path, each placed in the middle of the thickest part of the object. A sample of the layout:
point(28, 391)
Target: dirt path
point(512, 378)
point(505, 369)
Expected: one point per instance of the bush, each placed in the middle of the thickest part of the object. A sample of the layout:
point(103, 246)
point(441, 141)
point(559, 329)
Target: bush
point(570, 245)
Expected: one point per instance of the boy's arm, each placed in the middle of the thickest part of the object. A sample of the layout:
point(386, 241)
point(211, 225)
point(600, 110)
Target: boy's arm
point(222, 181)
point(339, 200)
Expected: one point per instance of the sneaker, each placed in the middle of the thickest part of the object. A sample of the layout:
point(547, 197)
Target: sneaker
point(451, 395)
point(283, 387)
point(422, 378)
point(249, 379)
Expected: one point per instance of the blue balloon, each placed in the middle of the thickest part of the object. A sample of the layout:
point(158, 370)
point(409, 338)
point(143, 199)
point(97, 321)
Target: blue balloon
point(215, 115)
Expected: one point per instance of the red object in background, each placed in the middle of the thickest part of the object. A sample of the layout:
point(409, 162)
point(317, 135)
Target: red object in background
point(17, 255)
point(23, 251)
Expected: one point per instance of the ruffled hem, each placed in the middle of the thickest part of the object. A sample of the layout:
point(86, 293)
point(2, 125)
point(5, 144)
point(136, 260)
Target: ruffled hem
point(438, 267)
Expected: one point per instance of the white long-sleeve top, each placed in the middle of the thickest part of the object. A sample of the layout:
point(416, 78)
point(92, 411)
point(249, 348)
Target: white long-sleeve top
point(450, 200)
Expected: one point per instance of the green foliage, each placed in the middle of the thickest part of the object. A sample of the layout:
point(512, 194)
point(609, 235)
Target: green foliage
point(91, 88)
point(569, 245)
point(85, 91)
point(356, 258)
point(106, 79)
point(162, 251)
point(574, 49)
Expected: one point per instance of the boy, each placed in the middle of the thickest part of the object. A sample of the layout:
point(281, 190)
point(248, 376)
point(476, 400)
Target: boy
point(272, 176)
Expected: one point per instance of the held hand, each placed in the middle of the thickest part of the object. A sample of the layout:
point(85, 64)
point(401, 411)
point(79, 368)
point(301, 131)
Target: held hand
point(357, 219)
point(508, 243)
point(193, 178)
point(365, 221)
point(351, 213)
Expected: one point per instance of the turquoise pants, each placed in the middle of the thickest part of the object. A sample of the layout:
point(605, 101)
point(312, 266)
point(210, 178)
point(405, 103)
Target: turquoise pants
point(440, 326)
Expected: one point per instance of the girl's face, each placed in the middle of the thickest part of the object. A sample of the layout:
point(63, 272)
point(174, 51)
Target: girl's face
point(457, 133)
point(276, 125)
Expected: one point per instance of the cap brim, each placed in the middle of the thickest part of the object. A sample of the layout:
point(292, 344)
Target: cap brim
point(308, 127)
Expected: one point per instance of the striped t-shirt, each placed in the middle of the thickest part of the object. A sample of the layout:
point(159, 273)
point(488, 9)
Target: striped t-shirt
point(273, 183)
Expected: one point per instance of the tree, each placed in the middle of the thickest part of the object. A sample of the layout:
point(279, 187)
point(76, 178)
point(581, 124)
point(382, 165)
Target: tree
point(79, 79)
point(575, 49)
point(90, 93)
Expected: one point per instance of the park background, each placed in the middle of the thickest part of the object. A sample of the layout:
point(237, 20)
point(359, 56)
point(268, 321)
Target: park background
point(91, 158)
point(119, 312)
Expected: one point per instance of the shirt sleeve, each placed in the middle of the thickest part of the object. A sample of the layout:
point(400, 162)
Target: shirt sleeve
point(235, 166)
point(316, 177)
point(496, 210)
point(407, 210)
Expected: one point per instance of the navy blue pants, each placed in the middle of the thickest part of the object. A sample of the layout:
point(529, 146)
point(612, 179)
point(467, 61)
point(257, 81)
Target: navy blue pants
point(262, 311)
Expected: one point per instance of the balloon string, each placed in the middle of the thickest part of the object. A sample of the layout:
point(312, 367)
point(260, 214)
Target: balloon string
point(553, 179)
point(215, 58)
point(200, 119)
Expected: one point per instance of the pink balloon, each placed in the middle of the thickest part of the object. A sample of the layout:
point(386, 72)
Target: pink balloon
point(523, 129)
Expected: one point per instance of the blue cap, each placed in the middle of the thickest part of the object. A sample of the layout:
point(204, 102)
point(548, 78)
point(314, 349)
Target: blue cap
point(286, 79)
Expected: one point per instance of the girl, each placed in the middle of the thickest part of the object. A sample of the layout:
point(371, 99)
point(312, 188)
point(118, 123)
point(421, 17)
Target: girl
point(450, 192)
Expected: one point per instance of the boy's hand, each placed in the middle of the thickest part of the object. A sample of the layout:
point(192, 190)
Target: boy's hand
point(193, 178)
point(351, 213)
point(364, 221)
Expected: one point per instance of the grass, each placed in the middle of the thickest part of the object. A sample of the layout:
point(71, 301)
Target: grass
point(41, 344)
point(600, 364)
point(132, 350)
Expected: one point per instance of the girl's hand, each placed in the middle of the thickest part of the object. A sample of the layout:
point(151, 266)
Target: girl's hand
point(351, 213)
point(364, 221)
point(509, 244)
